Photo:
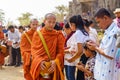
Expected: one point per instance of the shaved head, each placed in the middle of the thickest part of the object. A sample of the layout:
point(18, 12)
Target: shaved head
point(50, 21)
point(33, 20)
point(49, 15)
point(34, 24)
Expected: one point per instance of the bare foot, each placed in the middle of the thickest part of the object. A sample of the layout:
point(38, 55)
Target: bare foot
point(1, 68)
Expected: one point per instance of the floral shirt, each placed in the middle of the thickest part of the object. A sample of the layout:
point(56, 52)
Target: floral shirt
point(90, 66)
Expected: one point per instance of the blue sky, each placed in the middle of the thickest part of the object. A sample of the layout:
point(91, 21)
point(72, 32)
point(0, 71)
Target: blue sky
point(14, 8)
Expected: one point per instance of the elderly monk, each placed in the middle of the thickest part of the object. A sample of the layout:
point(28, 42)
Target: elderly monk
point(25, 46)
point(1, 53)
point(55, 44)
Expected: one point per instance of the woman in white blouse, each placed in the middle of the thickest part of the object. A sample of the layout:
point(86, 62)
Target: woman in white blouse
point(69, 67)
point(79, 37)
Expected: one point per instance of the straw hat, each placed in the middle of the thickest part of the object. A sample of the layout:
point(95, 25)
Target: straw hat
point(117, 10)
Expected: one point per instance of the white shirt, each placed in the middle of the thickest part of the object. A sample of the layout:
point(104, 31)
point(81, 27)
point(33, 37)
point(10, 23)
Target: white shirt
point(77, 37)
point(14, 37)
point(105, 69)
point(93, 35)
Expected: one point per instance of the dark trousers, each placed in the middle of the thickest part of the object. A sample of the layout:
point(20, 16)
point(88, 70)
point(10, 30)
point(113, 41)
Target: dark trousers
point(16, 56)
point(80, 74)
point(70, 72)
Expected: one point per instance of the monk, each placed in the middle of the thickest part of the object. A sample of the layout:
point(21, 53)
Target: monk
point(1, 53)
point(55, 44)
point(25, 46)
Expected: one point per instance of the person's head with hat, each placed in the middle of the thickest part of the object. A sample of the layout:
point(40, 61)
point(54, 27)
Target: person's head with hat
point(117, 12)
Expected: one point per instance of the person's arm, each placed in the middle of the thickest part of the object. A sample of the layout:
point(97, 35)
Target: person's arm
point(69, 51)
point(66, 51)
point(77, 54)
point(78, 42)
point(100, 51)
point(82, 68)
point(93, 46)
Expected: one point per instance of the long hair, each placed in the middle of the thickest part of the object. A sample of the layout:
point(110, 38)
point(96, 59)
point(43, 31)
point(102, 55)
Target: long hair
point(77, 20)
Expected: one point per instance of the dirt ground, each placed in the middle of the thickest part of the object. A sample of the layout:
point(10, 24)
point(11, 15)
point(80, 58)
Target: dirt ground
point(11, 73)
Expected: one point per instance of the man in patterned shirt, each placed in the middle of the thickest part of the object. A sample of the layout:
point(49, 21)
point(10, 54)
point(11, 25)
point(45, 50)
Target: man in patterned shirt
point(105, 68)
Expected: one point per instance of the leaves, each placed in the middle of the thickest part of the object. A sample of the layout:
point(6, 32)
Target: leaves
point(25, 19)
point(60, 12)
point(2, 15)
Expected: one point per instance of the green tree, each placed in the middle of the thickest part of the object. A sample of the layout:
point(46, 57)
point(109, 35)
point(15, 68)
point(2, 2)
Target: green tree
point(24, 20)
point(2, 18)
point(9, 23)
point(60, 12)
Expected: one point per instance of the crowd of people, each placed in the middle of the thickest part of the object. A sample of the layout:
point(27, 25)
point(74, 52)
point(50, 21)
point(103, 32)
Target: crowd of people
point(64, 51)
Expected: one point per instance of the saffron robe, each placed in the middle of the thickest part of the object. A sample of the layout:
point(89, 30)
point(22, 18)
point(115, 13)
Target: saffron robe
point(1, 54)
point(25, 47)
point(55, 43)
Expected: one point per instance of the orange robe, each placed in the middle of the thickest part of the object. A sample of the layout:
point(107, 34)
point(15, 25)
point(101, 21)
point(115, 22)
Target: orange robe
point(55, 43)
point(1, 54)
point(25, 47)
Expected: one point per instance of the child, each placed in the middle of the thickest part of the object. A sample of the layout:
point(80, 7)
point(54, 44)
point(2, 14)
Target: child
point(88, 68)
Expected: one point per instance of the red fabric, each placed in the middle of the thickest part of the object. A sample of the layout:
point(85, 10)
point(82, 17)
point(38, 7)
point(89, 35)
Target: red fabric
point(61, 24)
point(1, 59)
point(1, 54)
point(1, 35)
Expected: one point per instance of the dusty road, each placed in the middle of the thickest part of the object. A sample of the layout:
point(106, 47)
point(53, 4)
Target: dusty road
point(11, 73)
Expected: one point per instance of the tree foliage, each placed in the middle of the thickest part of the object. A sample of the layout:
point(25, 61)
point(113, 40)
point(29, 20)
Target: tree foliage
point(24, 20)
point(9, 23)
point(2, 18)
point(60, 12)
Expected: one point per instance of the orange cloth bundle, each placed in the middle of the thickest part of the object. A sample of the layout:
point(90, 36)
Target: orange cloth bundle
point(47, 64)
point(44, 72)
point(4, 50)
